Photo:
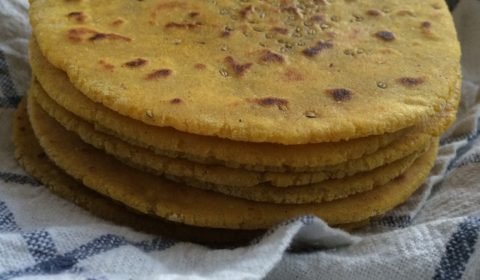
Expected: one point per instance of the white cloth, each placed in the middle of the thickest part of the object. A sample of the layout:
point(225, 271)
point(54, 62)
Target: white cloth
point(432, 236)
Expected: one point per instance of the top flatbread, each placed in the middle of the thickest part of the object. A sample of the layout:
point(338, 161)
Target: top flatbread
point(205, 149)
point(288, 72)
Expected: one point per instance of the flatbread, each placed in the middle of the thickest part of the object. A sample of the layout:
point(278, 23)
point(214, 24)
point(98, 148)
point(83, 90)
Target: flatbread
point(210, 150)
point(205, 175)
point(179, 203)
point(259, 71)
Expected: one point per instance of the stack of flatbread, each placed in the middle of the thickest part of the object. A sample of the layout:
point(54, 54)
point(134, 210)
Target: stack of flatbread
point(212, 121)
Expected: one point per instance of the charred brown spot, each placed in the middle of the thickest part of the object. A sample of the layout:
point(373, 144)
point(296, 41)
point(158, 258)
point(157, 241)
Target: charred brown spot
point(293, 75)
point(269, 56)
point(118, 22)
point(77, 16)
point(159, 74)
point(319, 2)
point(280, 30)
point(176, 101)
point(193, 14)
point(374, 13)
point(386, 36)
point(281, 104)
point(318, 48)
point(200, 66)
point(139, 62)
point(98, 36)
point(271, 101)
point(411, 81)
point(340, 94)
point(79, 34)
point(246, 11)
point(426, 25)
point(238, 69)
point(111, 36)
point(187, 26)
point(225, 33)
point(76, 34)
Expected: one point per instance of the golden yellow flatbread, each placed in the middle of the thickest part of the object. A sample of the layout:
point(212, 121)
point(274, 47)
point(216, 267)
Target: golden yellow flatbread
point(203, 149)
point(280, 71)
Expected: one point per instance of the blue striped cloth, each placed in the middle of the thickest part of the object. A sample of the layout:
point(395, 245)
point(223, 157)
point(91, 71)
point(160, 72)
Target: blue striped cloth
point(432, 236)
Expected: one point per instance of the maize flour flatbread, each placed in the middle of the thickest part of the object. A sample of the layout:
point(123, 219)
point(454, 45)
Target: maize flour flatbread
point(176, 202)
point(167, 141)
point(289, 72)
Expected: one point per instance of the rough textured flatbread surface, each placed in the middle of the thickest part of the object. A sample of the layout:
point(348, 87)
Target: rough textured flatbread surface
point(179, 203)
point(192, 172)
point(167, 141)
point(285, 72)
